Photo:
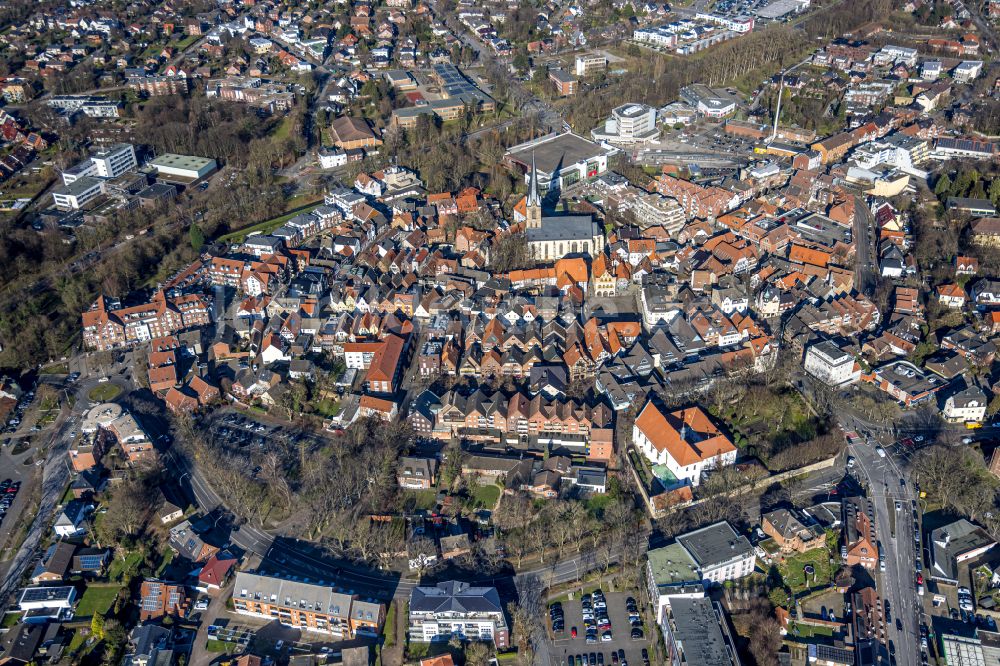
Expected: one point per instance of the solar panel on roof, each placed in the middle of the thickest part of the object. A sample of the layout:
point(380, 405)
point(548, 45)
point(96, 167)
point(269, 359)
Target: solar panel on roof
point(91, 561)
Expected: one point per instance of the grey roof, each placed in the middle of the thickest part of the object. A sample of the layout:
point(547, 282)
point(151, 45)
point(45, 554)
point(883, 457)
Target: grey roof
point(696, 628)
point(292, 594)
point(951, 541)
point(557, 151)
point(715, 544)
point(969, 395)
point(455, 596)
point(565, 227)
point(56, 560)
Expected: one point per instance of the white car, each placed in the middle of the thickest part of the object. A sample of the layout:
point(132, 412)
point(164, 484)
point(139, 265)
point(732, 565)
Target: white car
point(880, 451)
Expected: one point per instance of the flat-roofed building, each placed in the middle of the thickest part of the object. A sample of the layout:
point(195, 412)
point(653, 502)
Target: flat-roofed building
point(590, 63)
point(78, 194)
point(565, 83)
point(670, 573)
point(186, 167)
point(720, 553)
point(561, 159)
point(696, 634)
point(831, 364)
point(629, 124)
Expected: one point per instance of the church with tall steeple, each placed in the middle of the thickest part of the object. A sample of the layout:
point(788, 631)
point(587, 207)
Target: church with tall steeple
point(552, 237)
point(533, 204)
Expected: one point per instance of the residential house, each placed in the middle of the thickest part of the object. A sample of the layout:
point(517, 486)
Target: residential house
point(793, 531)
point(953, 544)
point(416, 473)
point(966, 406)
point(158, 598)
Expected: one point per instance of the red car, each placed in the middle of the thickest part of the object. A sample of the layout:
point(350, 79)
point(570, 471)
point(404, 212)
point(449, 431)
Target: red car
point(920, 579)
point(572, 632)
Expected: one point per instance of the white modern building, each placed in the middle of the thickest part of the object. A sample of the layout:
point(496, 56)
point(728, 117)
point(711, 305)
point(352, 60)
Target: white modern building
point(967, 71)
point(629, 124)
point(719, 553)
point(590, 63)
point(455, 608)
point(107, 163)
point(43, 598)
point(331, 158)
point(930, 70)
point(114, 161)
point(740, 24)
point(890, 54)
point(659, 37)
point(78, 193)
point(831, 365)
point(671, 573)
point(91, 106)
point(708, 102)
point(900, 151)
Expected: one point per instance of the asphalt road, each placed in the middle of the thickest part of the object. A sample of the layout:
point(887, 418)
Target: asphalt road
point(864, 243)
point(898, 582)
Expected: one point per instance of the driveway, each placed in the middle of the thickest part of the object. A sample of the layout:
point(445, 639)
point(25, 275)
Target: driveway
point(217, 607)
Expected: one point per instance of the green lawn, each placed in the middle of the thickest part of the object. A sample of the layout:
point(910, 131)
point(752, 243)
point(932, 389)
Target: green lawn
point(390, 626)
point(810, 631)
point(284, 129)
point(10, 620)
point(793, 570)
point(104, 393)
point(187, 41)
point(486, 496)
point(118, 566)
point(424, 499)
point(327, 408)
point(97, 599)
point(168, 557)
point(55, 369)
point(213, 645)
point(77, 641)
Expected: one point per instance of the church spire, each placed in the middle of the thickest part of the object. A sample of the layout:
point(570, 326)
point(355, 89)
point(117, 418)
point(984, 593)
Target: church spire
point(533, 199)
point(533, 202)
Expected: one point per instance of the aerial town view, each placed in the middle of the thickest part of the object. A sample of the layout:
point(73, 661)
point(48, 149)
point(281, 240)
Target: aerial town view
point(500, 332)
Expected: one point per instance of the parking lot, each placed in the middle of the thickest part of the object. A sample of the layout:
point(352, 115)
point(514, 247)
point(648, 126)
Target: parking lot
point(236, 431)
point(562, 645)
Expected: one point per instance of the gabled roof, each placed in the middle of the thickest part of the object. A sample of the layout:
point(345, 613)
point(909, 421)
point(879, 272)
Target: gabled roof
point(688, 436)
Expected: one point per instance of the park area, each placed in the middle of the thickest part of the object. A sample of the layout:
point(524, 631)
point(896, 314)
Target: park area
point(775, 425)
point(104, 393)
